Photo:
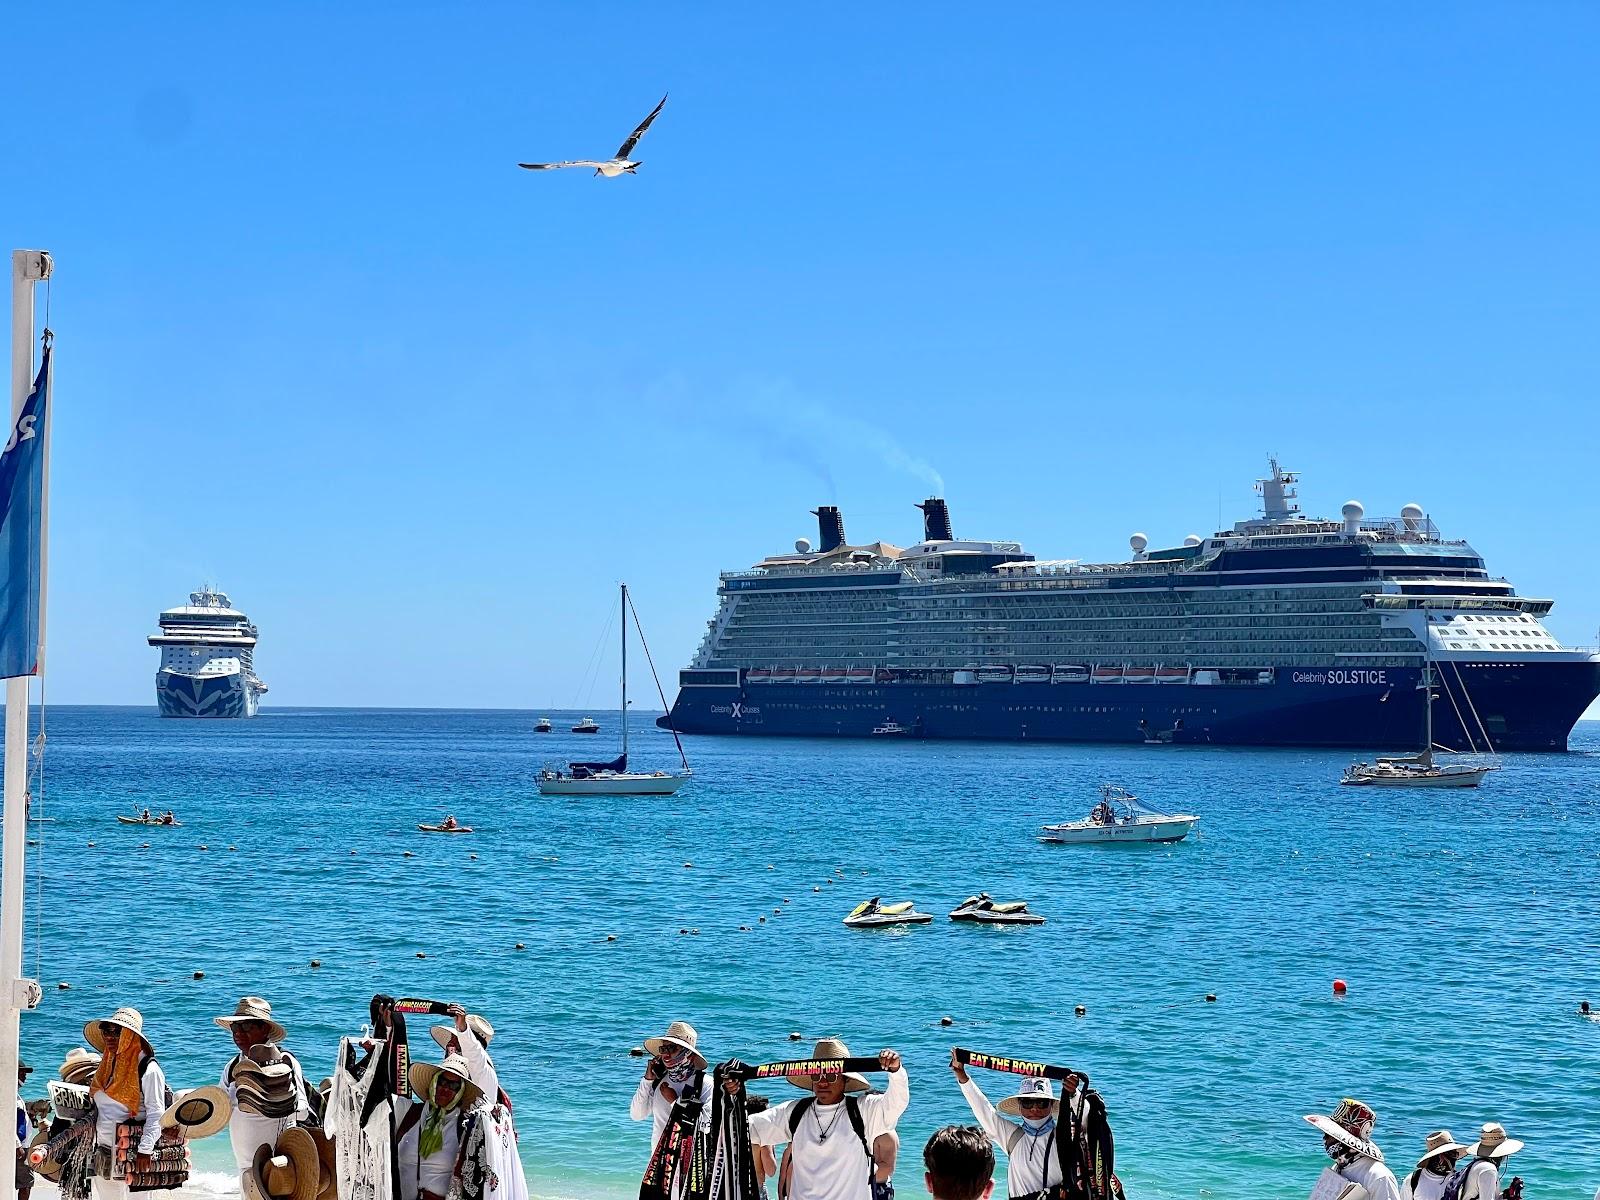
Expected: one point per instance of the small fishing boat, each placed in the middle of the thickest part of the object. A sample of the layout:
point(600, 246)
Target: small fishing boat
point(445, 827)
point(1121, 817)
point(981, 910)
point(869, 914)
point(587, 725)
point(543, 725)
point(152, 820)
point(889, 729)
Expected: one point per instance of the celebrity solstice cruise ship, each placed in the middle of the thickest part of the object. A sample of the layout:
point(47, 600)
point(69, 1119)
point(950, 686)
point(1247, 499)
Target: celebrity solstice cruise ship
point(1283, 630)
point(206, 651)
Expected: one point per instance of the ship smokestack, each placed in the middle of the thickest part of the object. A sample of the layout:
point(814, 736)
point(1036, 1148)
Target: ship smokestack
point(830, 528)
point(936, 521)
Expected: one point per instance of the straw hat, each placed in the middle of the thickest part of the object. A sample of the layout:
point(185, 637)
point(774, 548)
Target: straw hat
point(830, 1048)
point(423, 1074)
point(78, 1066)
point(124, 1018)
point(1032, 1087)
point(264, 1082)
point(1493, 1143)
point(288, 1171)
point(199, 1112)
point(253, 1008)
point(1351, 1125)
point(681, 1034)
point(1438, 1142)
point(327, 1164)
point(480, 1028)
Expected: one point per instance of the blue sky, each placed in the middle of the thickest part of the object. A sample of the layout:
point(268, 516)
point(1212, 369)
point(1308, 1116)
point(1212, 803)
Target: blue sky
point(321, 342)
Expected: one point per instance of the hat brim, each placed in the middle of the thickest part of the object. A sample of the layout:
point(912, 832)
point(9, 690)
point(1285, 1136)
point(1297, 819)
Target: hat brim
point(92, 1034)
point(1504, 1150)
point(1012, 1106)
point(327, 1163)
point(215, 1107)
point(852, 1082)
point(1447, 1148)
point(1343, 1136)
point(301, 1150)
point(276, 1034)
point(422, 1075)
point(653, 1045)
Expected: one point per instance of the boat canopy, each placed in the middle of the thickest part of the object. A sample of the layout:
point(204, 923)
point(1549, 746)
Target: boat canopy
point(582, 770)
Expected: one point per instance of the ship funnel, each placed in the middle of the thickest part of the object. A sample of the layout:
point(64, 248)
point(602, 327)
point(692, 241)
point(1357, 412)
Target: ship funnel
point(936, 520)
point(830, 528)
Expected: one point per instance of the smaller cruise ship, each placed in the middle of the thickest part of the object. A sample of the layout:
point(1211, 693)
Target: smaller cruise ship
point(207, 652)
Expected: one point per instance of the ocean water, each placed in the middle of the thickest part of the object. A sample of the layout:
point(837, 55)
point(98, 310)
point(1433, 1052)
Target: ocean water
point(1464, 923)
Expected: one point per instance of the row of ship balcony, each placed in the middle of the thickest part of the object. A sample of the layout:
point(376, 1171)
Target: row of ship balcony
point(1072, 673)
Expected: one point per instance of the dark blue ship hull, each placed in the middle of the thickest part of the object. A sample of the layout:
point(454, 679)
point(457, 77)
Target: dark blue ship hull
point(1522, 707)
point(220, 696)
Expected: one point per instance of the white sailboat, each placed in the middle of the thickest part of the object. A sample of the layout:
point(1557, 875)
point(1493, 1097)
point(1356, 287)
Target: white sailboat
point(1421, 769)
point(613, 778)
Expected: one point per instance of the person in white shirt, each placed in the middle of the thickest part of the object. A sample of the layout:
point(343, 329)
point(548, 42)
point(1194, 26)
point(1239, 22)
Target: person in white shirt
point(128, 1088)
point(1029, 1144)
point(251, 1025)
point(1347, 1137)
point(835, 1152)
point(432, 1129)
point(1439, 1154)
point(469, 1037)
point(675, 1067)
point(1489, 1154)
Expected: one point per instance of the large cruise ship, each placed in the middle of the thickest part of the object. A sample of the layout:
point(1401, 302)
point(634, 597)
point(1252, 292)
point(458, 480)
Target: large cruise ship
point(207, 648)
point(1283, 630)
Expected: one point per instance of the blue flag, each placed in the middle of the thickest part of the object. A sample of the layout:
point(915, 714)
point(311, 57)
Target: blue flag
point(22, 533)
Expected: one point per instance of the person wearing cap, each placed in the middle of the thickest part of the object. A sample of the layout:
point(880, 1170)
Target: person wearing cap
point(469, 1037)
point(1347, 1137)
point(251, 1026)
point(1439, 1154)
point(129, 1088)
point(24, 1175)
point(1489, 1154)
point(958, 1162)
point(675, 1067)
point(1029, 1143)
point(824, 1161)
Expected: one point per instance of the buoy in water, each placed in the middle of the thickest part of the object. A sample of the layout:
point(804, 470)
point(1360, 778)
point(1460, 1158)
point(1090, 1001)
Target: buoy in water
point(408, 854)
point(520, 946)
point(235, 848)
point(946, 1021)
point(205, 847)
point(762, 920)
point(1079, 1011)
point(420, 954)
point(316, 962)
point(816, 889)
point(687, 866)
point(611, 937)
point(1211, 997)
point(199, 974)
point(63, 987)
point(473, 857)
point(636, 1052)
point(1339, 987)
point(794, 1036)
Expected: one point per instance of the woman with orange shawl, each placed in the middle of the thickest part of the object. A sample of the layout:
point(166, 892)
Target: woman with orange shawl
point(129, 1088)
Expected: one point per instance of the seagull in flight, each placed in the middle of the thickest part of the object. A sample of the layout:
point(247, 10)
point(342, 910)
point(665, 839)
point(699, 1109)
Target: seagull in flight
point(611, 168)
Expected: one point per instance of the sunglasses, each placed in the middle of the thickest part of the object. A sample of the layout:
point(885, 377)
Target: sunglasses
point(1033, 1104)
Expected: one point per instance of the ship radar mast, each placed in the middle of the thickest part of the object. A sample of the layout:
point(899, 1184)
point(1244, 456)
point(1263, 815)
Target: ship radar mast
point(1277, 492)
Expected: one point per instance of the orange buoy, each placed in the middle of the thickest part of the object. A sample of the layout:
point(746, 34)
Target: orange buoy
point(1339, 987)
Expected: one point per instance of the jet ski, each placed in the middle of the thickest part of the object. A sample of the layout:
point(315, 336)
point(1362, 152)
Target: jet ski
point(981, 910)
point(869, 914)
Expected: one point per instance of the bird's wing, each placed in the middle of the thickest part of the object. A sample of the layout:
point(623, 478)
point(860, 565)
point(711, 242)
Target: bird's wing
point(580, 162)
point(633, 138)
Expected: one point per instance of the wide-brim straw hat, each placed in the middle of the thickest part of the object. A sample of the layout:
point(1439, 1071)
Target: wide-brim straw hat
point(124, 1018)
point(1350, 1125)
point(1493, 1143)
point(327, 1163)
point(480, 1028)
point(288, 1170)
point(253, 1008)
point(1031, 1088)
point(199, 1112)
point(680, 1034)
point(422, 1076)
point(830, 1048)
point(1436, 1143)
point(78, 1066)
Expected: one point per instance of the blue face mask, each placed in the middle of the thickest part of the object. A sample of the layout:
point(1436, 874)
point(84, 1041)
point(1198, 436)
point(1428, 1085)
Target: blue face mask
point(1039, 1125)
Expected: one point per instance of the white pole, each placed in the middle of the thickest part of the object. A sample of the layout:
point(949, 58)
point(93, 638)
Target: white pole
point(28, 267)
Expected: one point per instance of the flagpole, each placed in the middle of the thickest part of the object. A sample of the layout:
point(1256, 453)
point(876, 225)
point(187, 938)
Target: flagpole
point(28, 267)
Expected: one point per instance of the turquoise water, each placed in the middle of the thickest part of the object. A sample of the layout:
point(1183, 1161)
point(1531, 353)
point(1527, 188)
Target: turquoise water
point(1464, 924)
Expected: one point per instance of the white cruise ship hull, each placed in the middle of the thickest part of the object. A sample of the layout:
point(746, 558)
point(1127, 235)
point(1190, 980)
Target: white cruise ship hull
point(209, 695)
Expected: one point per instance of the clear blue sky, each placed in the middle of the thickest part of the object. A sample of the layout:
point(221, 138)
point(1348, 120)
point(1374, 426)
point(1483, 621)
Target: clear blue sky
point(418, 411)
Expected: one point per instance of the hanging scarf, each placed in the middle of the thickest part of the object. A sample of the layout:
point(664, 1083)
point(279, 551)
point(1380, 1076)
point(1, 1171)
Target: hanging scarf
point(431, 1140)
point(118, 1073)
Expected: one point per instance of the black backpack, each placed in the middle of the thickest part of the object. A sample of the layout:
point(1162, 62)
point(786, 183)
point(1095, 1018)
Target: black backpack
point(852, 1109)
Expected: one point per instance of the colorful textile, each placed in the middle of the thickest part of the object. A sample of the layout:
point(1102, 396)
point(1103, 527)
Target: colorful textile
point(117, 1075)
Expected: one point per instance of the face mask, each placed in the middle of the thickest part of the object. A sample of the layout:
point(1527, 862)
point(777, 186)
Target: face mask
point(1038, 1125)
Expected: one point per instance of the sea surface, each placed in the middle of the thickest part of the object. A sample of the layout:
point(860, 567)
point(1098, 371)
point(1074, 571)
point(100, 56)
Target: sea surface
point(1463, 922)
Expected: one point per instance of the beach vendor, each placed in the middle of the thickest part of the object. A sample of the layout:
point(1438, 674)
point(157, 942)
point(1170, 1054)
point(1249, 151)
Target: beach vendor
point(129, 1093)
point(1347, 1137)
point(676, 1067)
point(1489, 1154)
point(959, 1164)
point(469, 1037)
point(451, 1136)
point(836, 1135)
point(1439, 1154)
point(24, 1175)
point(271, 1080)
point(1029, 1141)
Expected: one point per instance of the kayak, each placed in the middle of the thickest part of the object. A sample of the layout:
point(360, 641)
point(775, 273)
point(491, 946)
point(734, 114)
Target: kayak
point(151, 821)
point(445, 828)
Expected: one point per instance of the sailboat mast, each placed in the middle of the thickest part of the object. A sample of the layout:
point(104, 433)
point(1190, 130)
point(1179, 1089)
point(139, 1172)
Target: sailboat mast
point(1427, 718)
point(624, 622)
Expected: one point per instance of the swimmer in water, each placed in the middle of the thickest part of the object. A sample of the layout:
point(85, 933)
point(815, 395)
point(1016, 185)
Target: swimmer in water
point(1585, 1011)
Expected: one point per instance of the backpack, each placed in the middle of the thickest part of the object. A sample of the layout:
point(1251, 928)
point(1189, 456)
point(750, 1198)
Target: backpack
point(1456, 1186)
point(852, 1109)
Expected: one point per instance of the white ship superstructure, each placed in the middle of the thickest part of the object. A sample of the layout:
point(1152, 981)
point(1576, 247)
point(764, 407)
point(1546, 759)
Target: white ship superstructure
point(207, 659)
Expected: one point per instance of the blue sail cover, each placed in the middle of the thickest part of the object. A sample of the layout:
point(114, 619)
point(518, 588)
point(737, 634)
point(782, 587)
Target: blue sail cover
point(21, 532)
point(584, 769)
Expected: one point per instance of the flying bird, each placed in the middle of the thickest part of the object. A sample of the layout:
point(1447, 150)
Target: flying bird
point(619, 164)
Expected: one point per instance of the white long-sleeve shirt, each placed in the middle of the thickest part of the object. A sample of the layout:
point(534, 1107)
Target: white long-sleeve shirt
point(1374, 1176)
point(836, 1166)
point(247, 1131)
point(1429, 1186)
point(109, 1113)
point(1483, 1182)
point(1032, 1163)
point(480, 1067)
point(649, 1103)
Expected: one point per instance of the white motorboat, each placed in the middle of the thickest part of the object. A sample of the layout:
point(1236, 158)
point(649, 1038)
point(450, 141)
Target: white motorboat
point(982, 910)
point(889, 729)
point(1121, 817)
point(543, 725)
point(870, 914)
point(1420, 769)
point(613, 778)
